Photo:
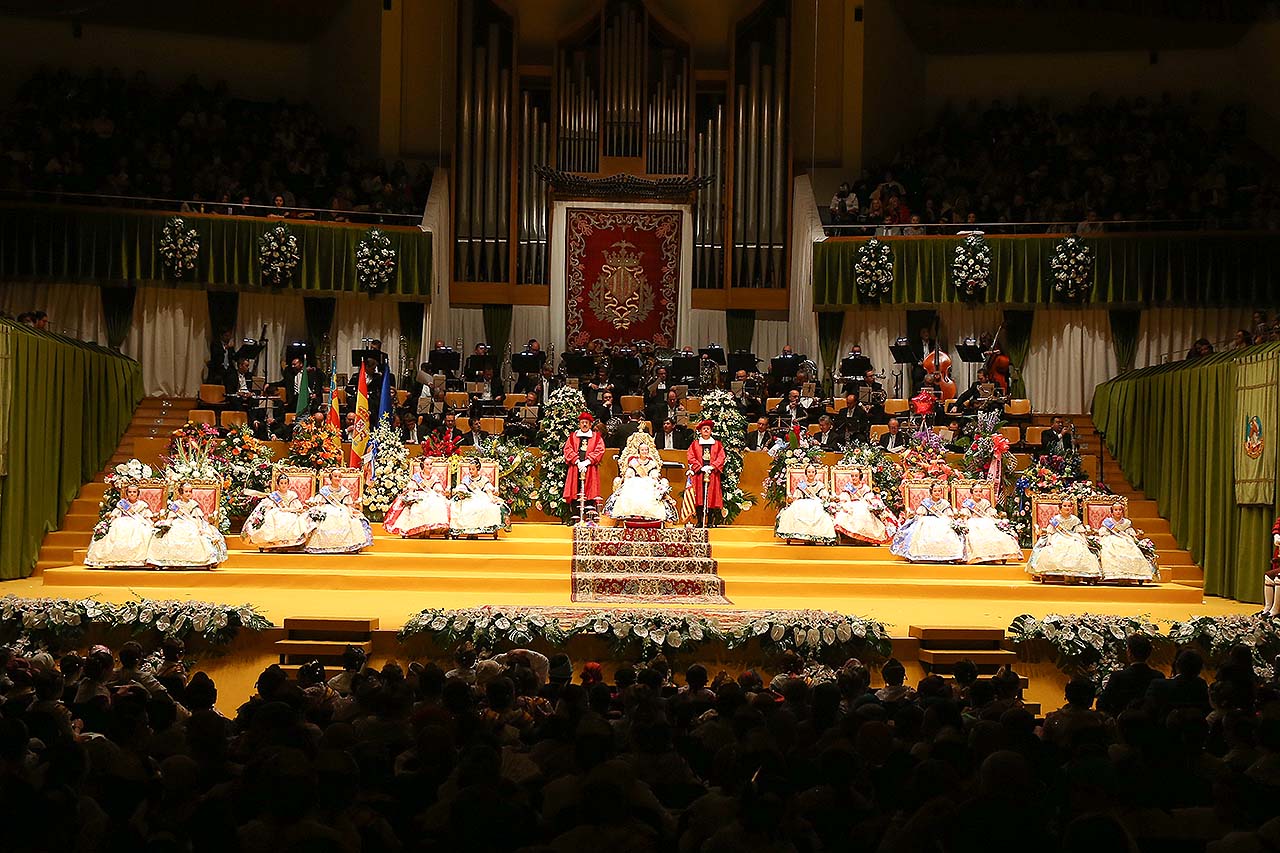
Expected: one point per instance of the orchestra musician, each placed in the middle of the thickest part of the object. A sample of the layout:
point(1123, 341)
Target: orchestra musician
point(527, 381)
point(1059, 438)
point(998, 365)
point(607, 407)
point(410, 432)
point(851, 382)
point(790, 411)
point(747, 403)
point(826, 436)
point(673, 436)
point(922, 348)
point(761, 438)
point(895, 441)
point(547, 383)
point(222, 357)
point(853, 421)
point(657, 389)
point(971, 400)
point(779, 384)
point(239, 387)
point(476, 363)
point(598, 385)
point(671, 408)
point(449, 432)
point(522, 419)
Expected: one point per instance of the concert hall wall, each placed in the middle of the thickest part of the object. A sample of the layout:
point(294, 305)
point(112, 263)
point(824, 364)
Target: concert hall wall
point(1173, 430)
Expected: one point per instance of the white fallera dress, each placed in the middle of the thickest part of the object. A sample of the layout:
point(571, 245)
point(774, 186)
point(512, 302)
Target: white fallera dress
point(984, 541)
point(641, 495)
point(806, 519)
point(190, 540)
point(477, 510)
point(279, 521)
point(929, 536)
point(127, 538)
point(1062, 551)
point(861, 515)
point(1120, 556)
point(421, 509)
point(340, 528)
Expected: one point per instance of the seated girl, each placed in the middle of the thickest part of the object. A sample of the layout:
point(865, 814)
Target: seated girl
point(279, 521)
point(422, 508)
point(1063, 549)
point(805, 517)
point(986, 540)
point(477, 509)
point(340, 526)
point(641, 492)
point(183, 537)
point(1119, 556)
point(929, 537)
point(861, 515)
point(123, 537)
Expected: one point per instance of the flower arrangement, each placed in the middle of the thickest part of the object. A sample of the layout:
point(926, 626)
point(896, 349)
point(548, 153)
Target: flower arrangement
point(315, 445)
point(559, 418)
point(245, 463)
point(873, 269)
point(486, 628)
point(926, 458)
point(432, 446)
point(821, 634)
point(515, 471)
point(1215, 635)
point(278, 254)
point(390, 471)
point(375, 261)
point(116, 479)
point(731, 431)
point(179, 247)
point(1086, 644)
point(1072, 265)
point(988, 456)
point(196, 460)
point(971, 267)
point(654, 631)
point(798, 450)
point(60, 623)
point(886, 474)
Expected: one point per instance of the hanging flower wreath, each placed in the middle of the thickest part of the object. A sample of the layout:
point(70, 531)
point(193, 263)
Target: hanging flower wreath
point(375, 261)
point(873, 269)
point(179, 247)
point(1072, 265)
point(971, 269)
point(278, 254)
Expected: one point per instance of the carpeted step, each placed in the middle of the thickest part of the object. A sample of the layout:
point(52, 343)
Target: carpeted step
point(644, 588)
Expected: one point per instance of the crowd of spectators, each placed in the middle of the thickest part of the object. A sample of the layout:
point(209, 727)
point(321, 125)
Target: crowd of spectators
point(515, 753)
point(1087, 169)
point(107, 134)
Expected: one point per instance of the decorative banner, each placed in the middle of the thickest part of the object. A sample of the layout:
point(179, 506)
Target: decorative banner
point(1257, 387)
point(623, 270)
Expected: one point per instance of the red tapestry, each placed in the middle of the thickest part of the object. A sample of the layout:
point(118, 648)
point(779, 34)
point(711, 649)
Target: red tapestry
point(623, 270)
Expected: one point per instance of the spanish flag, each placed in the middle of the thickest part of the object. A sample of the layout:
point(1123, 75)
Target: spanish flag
point(360, 435)
point(335, 417)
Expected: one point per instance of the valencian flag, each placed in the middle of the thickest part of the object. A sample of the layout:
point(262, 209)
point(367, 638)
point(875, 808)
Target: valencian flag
point(360, 431)
point(335, 417)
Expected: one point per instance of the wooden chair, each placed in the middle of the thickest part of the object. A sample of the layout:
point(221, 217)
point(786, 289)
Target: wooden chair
point(632, 403)
point(842, 475)
point(1044, 507)
point(795, 474)
point(838, 406)
point(896, 406)
point(772, 403)
point(402, 397)
point(492, 426)
point(510, 401)
point(1012, 434)
point(290, 417)
point(456, 400)
point(1018, 408)
point(1098, 509)
point(877, 430)
point(981, 489)
point(693, 405)
point(813, 429)
point(207, 493)
point(231, 419)
point(1033, 435)
point(301, 480)
point(202, 416)
point(352, 479)
point(462, 423)
point(213, 395)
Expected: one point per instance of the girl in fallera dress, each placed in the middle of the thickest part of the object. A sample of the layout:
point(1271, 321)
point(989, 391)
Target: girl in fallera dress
point(477, 509)
point(1119, 555)
point(805, 517)
point(422, 508)
point(127, 536)
point(641, 491)
point(183, 537)
point(929, 536)
point(861, 515)
point(1062, 549)
point(984, 540)
point(340, 527)
point(279, 522)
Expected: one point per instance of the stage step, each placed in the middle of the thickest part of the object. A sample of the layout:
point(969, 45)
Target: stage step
point(323, 638)
point(350, 624)
point(981, 657)
point(320, 648)
point(932, 634)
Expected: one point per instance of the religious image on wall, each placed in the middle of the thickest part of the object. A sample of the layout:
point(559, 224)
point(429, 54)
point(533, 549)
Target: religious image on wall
point(1257, 401)
point(623, 271)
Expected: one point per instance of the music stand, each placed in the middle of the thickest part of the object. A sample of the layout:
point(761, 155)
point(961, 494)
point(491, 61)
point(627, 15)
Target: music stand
point(526, 362)
point(579, 364)
point(298, 349)
point(855, 365)
point(624, 366)
point(684, 370)
point(742, 360)
point(713, 352)
point(444, 360)
point(902, 352)
point(969, 351)
point(359, 355)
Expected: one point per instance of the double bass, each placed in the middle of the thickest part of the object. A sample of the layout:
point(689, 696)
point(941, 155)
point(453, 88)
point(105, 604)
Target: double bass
point(998, 365)
point(937, 361)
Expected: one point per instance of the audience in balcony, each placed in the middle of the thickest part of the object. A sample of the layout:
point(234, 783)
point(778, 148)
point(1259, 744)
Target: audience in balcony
point(107, 134)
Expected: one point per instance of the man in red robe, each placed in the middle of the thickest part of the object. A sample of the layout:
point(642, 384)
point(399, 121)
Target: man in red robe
point(1271, 579)
point(582, 453)
point(706, 459)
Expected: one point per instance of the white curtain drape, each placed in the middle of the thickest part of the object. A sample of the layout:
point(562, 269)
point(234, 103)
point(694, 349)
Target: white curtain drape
point(874, 329)
point(435, 218)
point(170, 339)
point(806, 229)
point(1070, 355)
point(357, 318)
point(1165, 334)
point(74, 310)
point(701, 326)
point(286, 322)
point(530, 321)
point(468, 324)
point(769, 336)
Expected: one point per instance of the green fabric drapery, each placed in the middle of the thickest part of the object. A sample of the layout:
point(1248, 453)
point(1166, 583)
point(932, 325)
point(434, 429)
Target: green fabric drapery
point(1017, 344)
point(740, 329)
point(497, 328)
point(411, 327)
point(76, 244)
point(1175, 269)
point(830, 325)
point(1124, 336)
point(318, 312)
point(117, 313)
point(59, 438)
point(1172, 429)
point(223, 308)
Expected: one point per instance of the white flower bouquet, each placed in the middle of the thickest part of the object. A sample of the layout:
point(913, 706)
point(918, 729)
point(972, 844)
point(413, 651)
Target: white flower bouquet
point(278, 254)
point(375, 261)
point(179, 247)
point(971, 267)
point(654, 631)
point(486, 628)
point(816, 633)
point(873, 269)
point(1072, 265)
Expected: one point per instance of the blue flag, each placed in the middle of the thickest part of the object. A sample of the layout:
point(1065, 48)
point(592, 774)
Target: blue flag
point(384, 401)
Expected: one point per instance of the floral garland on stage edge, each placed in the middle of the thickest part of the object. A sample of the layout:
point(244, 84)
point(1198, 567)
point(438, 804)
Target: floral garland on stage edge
point(515, 471)
point(559, 418)
point(390, 471)
point(1087, 645)
point(730, 429)
point(32, 624)
point(651, 632)
point(278, 254)
point(1072, 265)
point(179, 247)
point(1216, 635)
point(375, 261)
point(798, 450)
point(821, 634)
point(314, 446)
point(873, 269)
point(116, 479)
point(486, 628)
point(886, 474)
point(971, 268)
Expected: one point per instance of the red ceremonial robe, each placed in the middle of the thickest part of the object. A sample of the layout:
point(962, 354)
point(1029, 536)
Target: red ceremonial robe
point(1275, 553)
point(715, 498)
point(595, 452)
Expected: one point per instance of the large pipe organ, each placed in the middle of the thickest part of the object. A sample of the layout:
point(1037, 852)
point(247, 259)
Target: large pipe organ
point(623, 106)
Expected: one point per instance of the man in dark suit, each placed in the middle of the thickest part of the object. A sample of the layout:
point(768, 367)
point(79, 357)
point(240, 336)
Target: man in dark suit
point(1130, 684)
point(488, 402)
point(667, 408)
point(790, 411)
point(657, 389)
point(894, 440)
point(921, 348)
point(1058, 439)
point(293, 384)
point(749, 405)
point(673, 436)
point(546, 383)
point(968, 401)
point(449, 432)
point(222, 357)
point(607, 408)
point(239, 387)
point(760, 439)
point(1185, 690)
point(826, 436)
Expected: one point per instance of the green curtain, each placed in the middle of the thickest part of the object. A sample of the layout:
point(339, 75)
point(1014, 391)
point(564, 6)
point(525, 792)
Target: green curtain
point(740, 329)
point(497, 327)
point(117, 313)
point(1131, 269)
point(318, 312)
point(1172, 429)
point(77, 244)
point(411, 328)
point(1017, 343)
point(224, 306)
point(1124, 336)
point(59, 438)
point(830, 325)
